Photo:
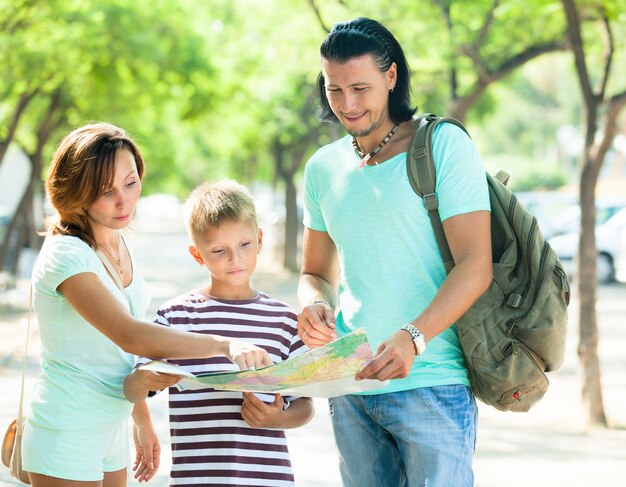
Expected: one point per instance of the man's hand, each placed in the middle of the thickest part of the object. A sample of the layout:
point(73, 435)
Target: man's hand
point(316, 325)
point(393, 359)
point(247, 356)
point(259, 414)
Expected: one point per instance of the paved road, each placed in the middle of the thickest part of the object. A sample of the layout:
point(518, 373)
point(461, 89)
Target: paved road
point(549, 447)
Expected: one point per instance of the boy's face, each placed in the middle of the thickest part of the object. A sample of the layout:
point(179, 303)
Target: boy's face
point(229, 252)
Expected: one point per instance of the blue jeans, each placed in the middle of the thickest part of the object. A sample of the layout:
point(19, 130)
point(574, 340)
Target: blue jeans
point(422, 437)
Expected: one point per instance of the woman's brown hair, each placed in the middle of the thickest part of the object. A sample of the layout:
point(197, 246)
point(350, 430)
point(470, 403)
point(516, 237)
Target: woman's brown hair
point(83, 168)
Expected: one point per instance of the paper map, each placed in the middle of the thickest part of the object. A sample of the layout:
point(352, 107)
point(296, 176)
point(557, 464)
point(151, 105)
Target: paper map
point(327, 371)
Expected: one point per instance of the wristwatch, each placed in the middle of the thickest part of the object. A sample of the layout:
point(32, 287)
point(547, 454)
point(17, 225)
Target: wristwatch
point(419, 340)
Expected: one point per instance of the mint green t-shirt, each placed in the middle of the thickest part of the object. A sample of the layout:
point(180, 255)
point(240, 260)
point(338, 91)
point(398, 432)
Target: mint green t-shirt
point(390, 267)
point(82, 371)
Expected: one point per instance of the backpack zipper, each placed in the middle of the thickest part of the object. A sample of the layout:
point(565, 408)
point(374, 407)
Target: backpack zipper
point(542, 266)
point(518, 261)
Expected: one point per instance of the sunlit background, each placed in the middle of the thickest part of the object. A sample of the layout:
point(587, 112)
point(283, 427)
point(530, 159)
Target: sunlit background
point(226, 88)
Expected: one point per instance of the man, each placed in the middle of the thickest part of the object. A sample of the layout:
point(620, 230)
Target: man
point(370, 252)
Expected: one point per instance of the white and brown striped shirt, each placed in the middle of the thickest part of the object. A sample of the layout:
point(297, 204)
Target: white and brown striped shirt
point(211, 444)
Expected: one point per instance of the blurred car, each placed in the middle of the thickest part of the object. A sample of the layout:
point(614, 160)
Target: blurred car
point(568, 221)
point(608, 243)
point(5, 220)
point(620, 259)
point(546, 207)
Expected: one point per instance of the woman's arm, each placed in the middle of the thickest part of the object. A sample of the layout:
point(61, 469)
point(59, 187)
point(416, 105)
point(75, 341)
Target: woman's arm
point(96, 304)
point(147, 446)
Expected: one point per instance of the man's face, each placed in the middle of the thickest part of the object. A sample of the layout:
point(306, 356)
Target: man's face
point(358, 93)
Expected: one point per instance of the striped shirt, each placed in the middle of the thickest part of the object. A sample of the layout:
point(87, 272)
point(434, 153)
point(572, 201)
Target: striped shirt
point(211, 444)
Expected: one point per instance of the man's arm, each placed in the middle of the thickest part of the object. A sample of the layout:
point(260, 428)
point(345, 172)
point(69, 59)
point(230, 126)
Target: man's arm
point(469, 238)
point(318, 282)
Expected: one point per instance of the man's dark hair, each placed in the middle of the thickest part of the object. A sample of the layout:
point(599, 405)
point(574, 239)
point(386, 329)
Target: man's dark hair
point(358, 37)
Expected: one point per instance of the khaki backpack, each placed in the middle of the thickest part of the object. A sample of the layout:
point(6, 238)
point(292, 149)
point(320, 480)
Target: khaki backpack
point(515, 332)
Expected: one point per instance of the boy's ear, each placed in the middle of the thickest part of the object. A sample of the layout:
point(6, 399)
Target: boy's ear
point(260, 237)
point(196, 255)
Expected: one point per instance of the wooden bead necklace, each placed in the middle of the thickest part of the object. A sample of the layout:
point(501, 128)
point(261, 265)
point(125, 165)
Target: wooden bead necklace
point(366, 157)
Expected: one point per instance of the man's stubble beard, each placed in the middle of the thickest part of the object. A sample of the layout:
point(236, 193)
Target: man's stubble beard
point(368, 131)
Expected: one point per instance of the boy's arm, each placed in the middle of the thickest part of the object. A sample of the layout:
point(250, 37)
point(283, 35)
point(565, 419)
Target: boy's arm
point(259, 414)
point(140, 382)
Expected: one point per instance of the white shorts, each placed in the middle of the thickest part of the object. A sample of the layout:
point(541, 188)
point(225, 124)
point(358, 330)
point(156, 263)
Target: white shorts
point(83, 455)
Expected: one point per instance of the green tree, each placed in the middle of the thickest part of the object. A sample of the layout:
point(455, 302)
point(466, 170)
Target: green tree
point(596, 40)
point(137, 65)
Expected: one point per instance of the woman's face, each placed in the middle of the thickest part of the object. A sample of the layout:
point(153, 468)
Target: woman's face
point(114, 209)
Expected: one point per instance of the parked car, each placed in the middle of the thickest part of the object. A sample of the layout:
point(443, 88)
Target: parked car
point(568, 221)
point(608, 243)
point(547, 206)
point(620, 260)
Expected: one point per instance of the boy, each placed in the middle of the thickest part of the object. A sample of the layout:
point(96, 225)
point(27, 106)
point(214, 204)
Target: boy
point(221, 437)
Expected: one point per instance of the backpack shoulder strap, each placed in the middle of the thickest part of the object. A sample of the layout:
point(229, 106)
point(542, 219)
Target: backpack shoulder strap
point(422, 176)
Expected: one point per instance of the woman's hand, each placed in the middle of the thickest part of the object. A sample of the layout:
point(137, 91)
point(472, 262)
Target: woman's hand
point(247, 356)
point(148, 452)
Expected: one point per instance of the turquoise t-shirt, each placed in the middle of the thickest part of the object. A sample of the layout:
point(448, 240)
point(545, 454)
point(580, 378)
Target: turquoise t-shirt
point(390, 267)
point(82, 371)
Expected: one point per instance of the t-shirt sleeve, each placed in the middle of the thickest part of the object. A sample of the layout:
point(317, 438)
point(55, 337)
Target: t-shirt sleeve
point(313, 217)
point(296, 347)
point(67, 257)
point(461, 181)
point(160, 318)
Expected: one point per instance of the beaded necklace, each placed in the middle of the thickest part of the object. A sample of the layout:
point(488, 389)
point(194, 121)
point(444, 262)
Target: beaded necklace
point(366, 157)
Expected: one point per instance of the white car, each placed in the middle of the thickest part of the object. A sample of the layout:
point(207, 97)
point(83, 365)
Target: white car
point(568, 221)
point(620, 260)
point(608, 242)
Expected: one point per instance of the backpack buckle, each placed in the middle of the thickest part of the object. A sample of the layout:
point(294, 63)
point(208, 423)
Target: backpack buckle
point(430, 201)
point(515, 300)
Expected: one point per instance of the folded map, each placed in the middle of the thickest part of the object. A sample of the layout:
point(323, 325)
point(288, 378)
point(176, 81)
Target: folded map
point(326, 371)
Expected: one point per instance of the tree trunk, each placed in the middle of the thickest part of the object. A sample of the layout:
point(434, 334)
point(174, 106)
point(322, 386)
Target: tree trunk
point(290, 260)
point(22, 223)
point(23, 102)
point(592, 160)
point(19, 217)
point(587, 279)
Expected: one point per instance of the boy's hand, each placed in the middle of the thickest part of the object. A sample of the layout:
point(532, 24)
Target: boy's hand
point(259, 414)
point(316, 325)
point(155, 381)
point(247, 356)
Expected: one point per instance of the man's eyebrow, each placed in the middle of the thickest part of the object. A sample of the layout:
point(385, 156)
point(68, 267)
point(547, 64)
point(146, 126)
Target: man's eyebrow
point(358, 83)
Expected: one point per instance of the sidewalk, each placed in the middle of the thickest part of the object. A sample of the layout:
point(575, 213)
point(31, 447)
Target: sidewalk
point(548, 447)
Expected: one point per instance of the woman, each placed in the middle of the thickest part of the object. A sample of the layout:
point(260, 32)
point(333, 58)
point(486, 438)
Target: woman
point(76, 433)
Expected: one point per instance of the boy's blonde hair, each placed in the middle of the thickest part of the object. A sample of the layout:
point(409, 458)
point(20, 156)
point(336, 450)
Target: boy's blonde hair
point(213, 203)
